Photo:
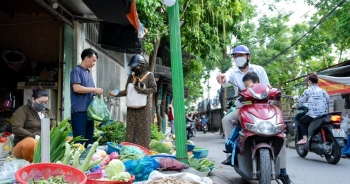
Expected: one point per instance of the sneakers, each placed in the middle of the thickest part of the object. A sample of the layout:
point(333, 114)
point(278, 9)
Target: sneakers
point(285, 179)
point(227, 161)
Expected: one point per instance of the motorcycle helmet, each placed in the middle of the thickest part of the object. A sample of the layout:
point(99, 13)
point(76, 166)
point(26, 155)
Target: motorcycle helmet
point(137, 59)
point(241, 49)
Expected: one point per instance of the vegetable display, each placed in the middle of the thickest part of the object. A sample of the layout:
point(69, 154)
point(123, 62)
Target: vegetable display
point(159, 147)
point(114, 167)
point(56, 180)
point(156, 134)
point(112, 132)
point(58, 136)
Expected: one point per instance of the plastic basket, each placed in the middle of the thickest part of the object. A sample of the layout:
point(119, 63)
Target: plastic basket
point(197, 153)
point(92, 179)
point(190, 147)
point(147, 151)
point(46, 170)
point(111, 148)
point(204, 153)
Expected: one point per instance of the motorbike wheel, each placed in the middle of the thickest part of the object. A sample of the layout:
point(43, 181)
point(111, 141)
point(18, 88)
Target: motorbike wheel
point(336, 150)
point(290, 129)
point(265, 166)
point(301, 152)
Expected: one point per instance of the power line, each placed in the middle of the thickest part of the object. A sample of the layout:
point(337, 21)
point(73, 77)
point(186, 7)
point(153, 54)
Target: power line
point(306, 34)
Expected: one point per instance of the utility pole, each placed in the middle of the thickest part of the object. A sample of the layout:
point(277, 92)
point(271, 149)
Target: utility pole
point(177, 82)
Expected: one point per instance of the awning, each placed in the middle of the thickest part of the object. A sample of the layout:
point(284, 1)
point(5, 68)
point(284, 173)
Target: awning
point(122, 12)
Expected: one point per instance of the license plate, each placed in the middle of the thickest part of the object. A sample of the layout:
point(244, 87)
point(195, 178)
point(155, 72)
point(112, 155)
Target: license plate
point(338, 133)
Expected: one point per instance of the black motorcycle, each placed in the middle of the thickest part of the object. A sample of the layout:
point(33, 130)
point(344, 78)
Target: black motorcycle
point(325, 137)
point(190, 128)
point(205, 128)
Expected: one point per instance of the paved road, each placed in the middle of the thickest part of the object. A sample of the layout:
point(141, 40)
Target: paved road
point(310, 170)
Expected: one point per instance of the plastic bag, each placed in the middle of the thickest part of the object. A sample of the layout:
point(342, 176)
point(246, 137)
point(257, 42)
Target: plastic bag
point(141, 168)
point(9, 169)
point(126, 150)
point(187, 177)
point(97, 110)
point(171, 164)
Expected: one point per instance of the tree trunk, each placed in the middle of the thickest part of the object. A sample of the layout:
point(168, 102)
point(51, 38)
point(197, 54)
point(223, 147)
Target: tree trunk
point(164, 102)
point(153, 55)
point(159, 117)
point(341, 53)
point(222, 98)
point(152, 63)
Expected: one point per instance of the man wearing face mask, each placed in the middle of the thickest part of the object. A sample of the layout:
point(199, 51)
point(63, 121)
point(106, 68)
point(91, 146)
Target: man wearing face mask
point(241, 55)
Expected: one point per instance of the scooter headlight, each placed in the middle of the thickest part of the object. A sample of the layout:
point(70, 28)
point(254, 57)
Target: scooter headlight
point(267, 127)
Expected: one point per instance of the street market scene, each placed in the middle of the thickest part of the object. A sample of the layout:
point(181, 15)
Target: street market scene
point(174, 91)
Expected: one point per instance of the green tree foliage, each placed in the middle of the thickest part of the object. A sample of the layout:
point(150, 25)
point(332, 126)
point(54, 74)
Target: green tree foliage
point(205, 30)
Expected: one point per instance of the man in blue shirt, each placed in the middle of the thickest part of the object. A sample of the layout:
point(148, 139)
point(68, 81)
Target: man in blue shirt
point(204, 120)
point(82, 90)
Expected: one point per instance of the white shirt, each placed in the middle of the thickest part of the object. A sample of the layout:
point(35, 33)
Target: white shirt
point(235, 76)
point(318, 100)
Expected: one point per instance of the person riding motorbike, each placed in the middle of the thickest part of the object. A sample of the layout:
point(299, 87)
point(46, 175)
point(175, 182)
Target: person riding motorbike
point(318, 101)
point(204, 122)
point(241, 55)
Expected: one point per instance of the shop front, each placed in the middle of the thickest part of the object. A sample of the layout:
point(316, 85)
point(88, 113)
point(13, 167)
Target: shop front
point(30, 55)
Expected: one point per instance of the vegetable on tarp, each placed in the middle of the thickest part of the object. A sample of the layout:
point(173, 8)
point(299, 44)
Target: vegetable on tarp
point(97, 109)
point(114, 167)
point(159, 147)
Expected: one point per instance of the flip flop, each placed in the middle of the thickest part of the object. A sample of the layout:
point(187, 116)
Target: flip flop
point(302, 142)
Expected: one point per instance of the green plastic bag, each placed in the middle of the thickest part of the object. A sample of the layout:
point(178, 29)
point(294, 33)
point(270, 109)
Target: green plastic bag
point(97, 110)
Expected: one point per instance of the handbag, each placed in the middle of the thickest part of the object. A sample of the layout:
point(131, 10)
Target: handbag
point(133, 98)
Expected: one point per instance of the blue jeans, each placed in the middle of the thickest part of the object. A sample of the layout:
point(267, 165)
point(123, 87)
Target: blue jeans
point(82, 126)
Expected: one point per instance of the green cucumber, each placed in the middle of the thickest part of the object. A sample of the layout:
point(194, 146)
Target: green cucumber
point(83, 167)
point(76, 159)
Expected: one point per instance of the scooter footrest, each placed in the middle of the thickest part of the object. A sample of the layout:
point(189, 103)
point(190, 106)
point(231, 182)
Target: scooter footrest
point(225, 151)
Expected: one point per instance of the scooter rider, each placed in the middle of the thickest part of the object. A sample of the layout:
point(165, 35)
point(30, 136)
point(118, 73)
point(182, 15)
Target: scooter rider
point(241, 55)
point(318, 99)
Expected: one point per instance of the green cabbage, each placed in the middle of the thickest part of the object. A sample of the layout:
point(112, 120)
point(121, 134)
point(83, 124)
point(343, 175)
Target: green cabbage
point(114, 167)
point(123, 176)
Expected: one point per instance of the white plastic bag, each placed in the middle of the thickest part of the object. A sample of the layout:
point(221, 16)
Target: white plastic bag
point(9, 169)
point(183, 176)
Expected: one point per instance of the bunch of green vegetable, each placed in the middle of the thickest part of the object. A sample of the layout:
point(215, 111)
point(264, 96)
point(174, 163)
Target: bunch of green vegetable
point(202, 164)
point(52, 179)
point(112, 132)
point(159, 147)
point(155, 134)
point(75, 156)
point(58, 136)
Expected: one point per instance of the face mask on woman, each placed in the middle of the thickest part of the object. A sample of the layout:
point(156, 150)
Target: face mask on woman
point(38, 107)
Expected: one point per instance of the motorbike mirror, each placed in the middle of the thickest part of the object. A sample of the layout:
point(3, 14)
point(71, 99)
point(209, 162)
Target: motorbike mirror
point(239, 89)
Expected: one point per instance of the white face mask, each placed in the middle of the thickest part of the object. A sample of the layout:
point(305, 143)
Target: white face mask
point(240, 61)
point(310, 83)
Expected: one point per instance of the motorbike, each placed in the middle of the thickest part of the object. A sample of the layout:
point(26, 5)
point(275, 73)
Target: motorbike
point(190, 129)
point(260, 137)
point(205, 128)
point(325, 136)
